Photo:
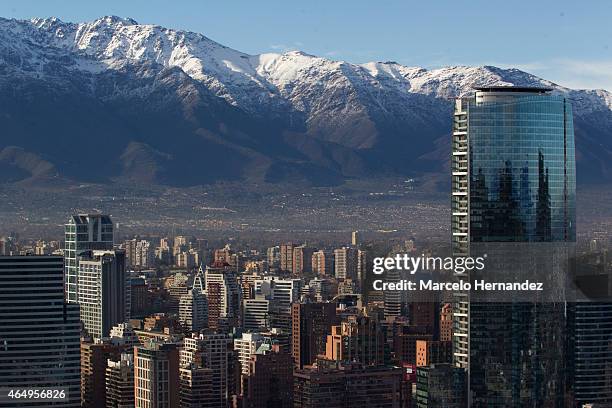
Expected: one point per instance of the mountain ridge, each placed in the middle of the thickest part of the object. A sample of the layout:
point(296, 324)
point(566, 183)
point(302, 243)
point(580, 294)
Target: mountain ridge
point(230, 115)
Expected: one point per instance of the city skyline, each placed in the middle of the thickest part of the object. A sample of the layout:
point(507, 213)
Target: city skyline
point(272, 205)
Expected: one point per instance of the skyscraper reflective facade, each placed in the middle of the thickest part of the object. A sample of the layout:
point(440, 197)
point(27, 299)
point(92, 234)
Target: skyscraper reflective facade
point(513, 181)
point(39, 332)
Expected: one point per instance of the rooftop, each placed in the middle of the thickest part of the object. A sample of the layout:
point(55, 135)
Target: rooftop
point(525, 89)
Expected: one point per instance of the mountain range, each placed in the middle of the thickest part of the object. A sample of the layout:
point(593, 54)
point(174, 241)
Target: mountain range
point(113, 101)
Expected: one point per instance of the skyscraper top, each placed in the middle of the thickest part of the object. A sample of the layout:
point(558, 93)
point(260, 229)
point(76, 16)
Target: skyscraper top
point(83, 218)
point(517, 89)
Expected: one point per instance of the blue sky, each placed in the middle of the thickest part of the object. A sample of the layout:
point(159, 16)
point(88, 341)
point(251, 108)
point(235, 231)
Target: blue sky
point(569, 42)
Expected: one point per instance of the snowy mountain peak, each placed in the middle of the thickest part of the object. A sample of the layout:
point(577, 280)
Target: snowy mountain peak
point(326, 112)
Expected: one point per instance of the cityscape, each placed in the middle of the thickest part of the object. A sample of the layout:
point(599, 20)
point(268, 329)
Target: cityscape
point(213, 245)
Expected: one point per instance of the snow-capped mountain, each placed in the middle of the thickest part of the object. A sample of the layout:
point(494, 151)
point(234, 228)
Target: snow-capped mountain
point(114, 99)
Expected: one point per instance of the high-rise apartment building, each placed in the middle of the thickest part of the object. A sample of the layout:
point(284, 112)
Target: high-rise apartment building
point(311, 324)
point(120, 382)
point(245, 346)
point(286, 257)
point(357, 339)
point(139, 253)
point(269, 382)
point(302, 260)
point(446, 322)
point(513, 181)
point(196, 387)
point(273, 257)
point(348, 385)
point(156, 375)
point(281, 293)
point(210, 351)
point(345, 263)
point(433, 352)
point(223, 294)
point(83, 232)
point(103, 291)
point(39, 332)
point(94, 356)
point(323, 263)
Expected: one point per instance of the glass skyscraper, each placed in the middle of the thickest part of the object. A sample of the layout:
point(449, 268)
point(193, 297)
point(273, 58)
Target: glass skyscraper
point(39, 332)
point(513, 181)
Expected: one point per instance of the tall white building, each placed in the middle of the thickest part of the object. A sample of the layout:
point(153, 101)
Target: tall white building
point(193, 310)
point(345, 260)
point(83, 232)
point(39, 332)
point(246, 346)
point(210, 350)
point(103, 291)
point(139, 253)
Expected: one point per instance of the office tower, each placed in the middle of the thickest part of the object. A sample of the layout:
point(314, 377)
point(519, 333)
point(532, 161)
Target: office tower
point(210, 350)
point(348, 385)
point(513, 181)
point(286, 257)
point(355, 238)
point(120, 381)
point(246, 346)
point(196, 387)
point(193, 311)
point(103, 291)
point(139, 253)
point(39, 332)
point(256, 315)
point(84, 232)
point(405, 340)
point(433, 352)
point(311, 323)
point(441, 386)
point(446, 322)
point(139, 297)
point(590, 353)
point(273, 257)
point(93, 371)
point(223, 294)
point(156, 370)
point(323, 263)
point(394, 302)
point(282, 293)
point(345, 263)
point(269, 382)
point(302, 260)
point(357, 339)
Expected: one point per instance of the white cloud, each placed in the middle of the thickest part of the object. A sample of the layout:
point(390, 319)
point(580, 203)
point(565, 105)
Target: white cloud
point(572, 73)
